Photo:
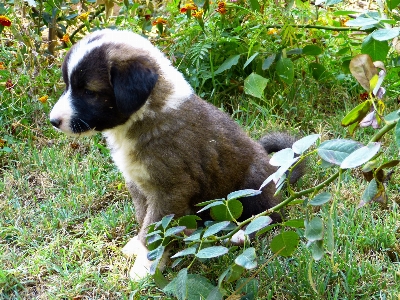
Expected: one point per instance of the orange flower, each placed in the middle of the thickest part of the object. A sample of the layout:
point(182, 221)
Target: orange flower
point(198, 14)
point(221, 7)
point(2, 66)
point(65, 38)
point(188, 6)
point(2, 143)
point(364, 96)
point(9, 84)
point(159, 20)
point(43, 99)
point(4, 21)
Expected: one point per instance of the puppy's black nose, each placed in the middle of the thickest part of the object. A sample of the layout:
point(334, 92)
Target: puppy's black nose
point(55, 122)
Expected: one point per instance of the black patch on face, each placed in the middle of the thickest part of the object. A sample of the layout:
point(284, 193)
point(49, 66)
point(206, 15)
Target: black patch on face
point(103, 99)
point(133, 82)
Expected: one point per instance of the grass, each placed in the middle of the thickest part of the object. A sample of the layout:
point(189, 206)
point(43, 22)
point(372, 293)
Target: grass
point(65, 213)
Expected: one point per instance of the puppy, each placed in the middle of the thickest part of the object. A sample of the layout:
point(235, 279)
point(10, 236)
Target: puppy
point(173, 148)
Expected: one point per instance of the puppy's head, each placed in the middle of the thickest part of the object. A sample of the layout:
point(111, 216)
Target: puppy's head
point(107, 80)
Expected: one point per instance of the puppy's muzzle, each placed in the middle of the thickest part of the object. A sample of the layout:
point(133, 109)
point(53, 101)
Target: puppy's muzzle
point(56, 122)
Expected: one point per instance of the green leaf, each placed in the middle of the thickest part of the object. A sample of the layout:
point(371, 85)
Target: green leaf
point(156, 253)
point(314, 229)
point(228, 63)
point(317, 249)
point(360, 156)
point(332, 2)
point(335, 151)
point(250, 60)
point(247, 259)
point(296, 223)
point(159, 279)
point(204, 203)
point(185, 252)
point(178, 286)
point(257, 224)
point(361, 22)
point(344, 12)
point(392, 4)
point(233, 273)
point(215, 228)
point(295, 51)
point(212, 204)
point(305, 143)
point(211, 252)
point(181, 284)
point(174, 230)
point(194, 236)
point(377, 50)
point(166, 220)
point(285, 70)
point(320, 199)
point(389, 164)
point(243, 193)
point(215, 294)
point(385, 34)
point(357, 114)
point(370, 192)
point(312, 50)
point(230, 211)
point(369, 166)
point(285, 243)
point(281, 157)
point(394, 116)
point(318, 71)
point(254, 85)
point(189, 221)
point(247, 287)
point(254, 5)
point(268, 62)
point(199, 287)
point(397, 134)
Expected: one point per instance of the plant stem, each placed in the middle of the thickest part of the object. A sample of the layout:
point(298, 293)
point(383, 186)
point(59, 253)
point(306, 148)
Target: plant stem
point(331, 28)
point(383, 131)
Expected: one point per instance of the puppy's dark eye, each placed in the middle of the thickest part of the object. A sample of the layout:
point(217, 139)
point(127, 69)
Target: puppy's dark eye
point(89, 92)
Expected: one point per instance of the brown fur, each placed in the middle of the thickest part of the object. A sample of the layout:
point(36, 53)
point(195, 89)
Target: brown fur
point(194, 154)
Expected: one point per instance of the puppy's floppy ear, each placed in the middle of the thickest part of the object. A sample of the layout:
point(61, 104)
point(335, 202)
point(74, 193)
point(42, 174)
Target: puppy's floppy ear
point(133, 82)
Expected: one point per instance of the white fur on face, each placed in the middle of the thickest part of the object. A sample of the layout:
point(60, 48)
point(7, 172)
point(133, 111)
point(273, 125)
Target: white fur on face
point(63, 111)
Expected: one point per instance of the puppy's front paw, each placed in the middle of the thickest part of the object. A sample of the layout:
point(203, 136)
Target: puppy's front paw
point(141, 267)
point(133, 247)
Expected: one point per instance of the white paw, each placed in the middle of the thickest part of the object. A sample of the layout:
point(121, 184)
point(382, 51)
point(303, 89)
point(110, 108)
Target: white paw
point(141, 267)
point(133, 247)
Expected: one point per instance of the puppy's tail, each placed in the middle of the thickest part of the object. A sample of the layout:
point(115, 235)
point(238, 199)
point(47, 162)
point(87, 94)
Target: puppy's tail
point(276, 141)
